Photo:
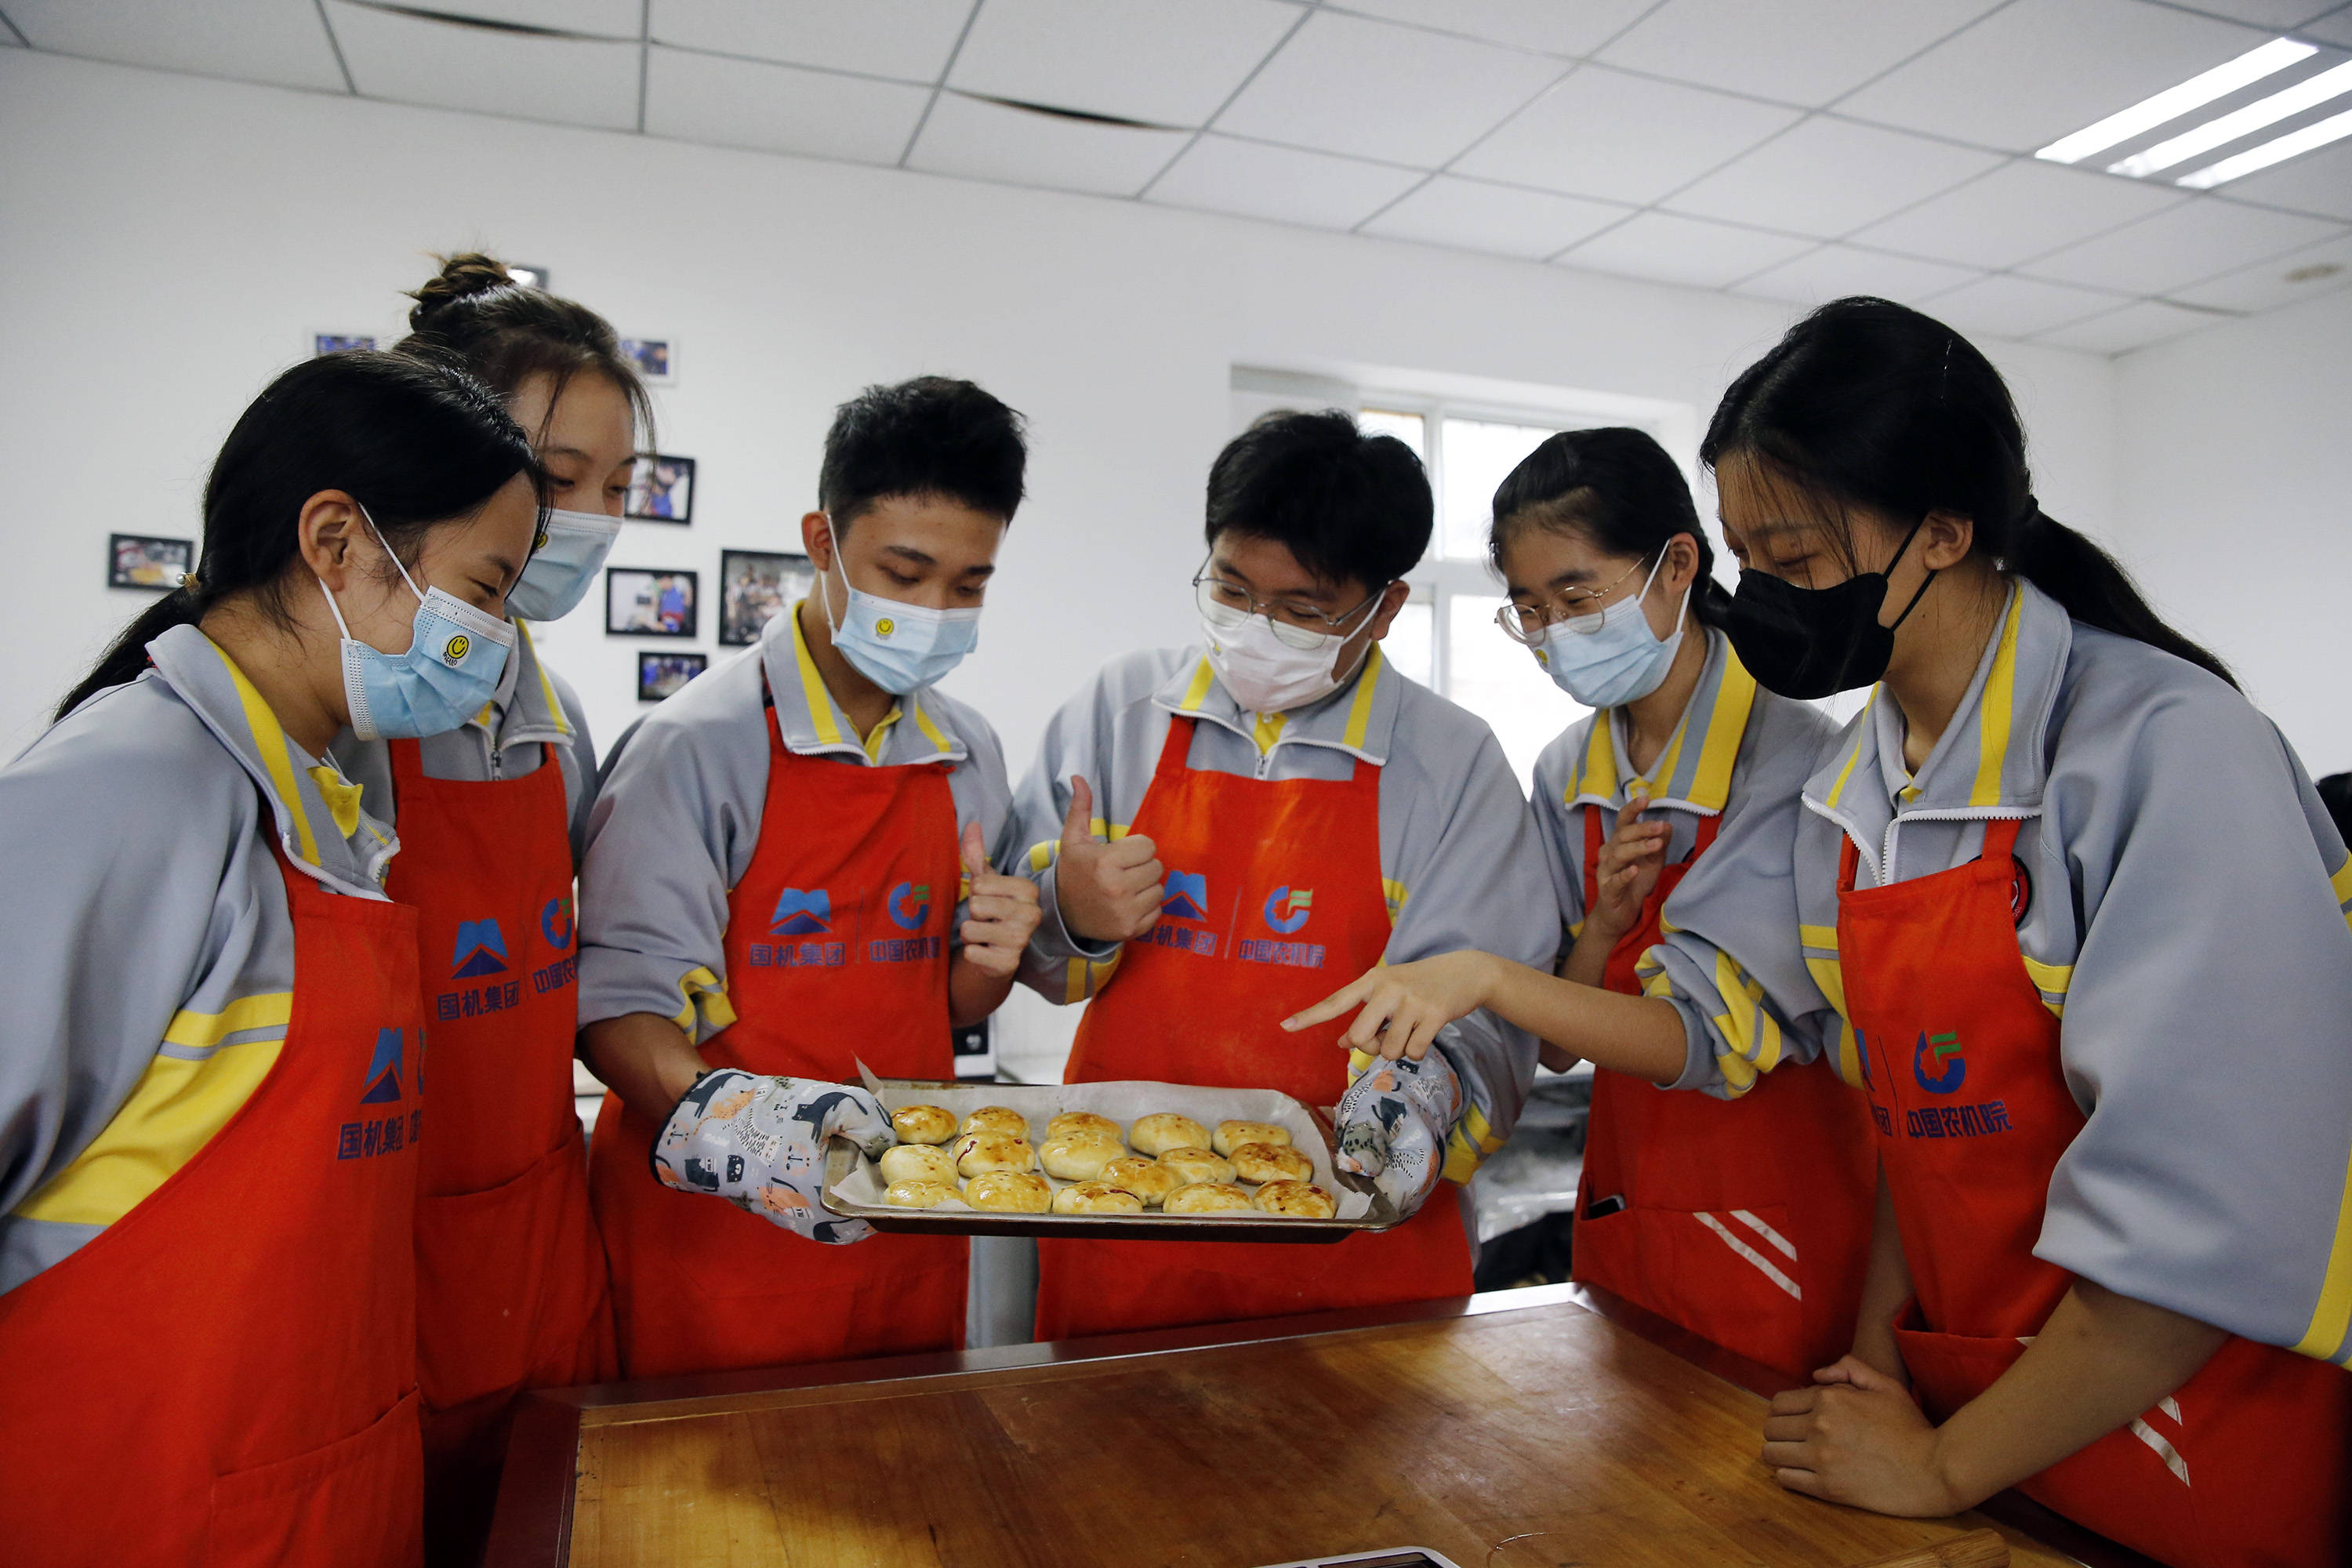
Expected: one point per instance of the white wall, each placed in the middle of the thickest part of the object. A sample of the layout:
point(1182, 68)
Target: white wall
point(2234, 465)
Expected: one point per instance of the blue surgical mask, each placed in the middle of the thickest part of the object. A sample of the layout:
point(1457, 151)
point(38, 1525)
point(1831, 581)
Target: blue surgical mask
point(455, 655)
point(898, 647)
point(572, 550)
point(1611, 659)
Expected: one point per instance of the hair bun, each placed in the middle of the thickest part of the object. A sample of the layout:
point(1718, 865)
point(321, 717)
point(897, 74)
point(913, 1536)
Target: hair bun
point(461, 276)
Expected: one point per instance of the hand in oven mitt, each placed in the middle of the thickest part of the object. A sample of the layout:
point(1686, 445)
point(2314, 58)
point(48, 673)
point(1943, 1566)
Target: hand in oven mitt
point(1392, 1123)
point(759, 1142)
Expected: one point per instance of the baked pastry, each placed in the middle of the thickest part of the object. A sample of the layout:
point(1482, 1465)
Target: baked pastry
point(1147, 1179)
point(922, 1124)
point(1018, 1192)
point(997, 1119)
point(1158, 1133)
point(1297, 1200)
point(989, 1153)
point(1271, 1163)
point(1096, 1197)
point(916, 1193)
point(918, 1163)
point(1208, 1197)
point(1232, 1135)
point(1195, 1165)
point(1079, 1159)
point(1072, 1122)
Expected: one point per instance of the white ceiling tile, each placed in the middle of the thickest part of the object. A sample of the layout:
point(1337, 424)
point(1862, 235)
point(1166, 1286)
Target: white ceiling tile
point(1829, 177)
point(1797, 51)
point(984, 140)
point(2035, 71)
point(1548, 25)
point(2335, 27)
point(2285, 279)
point(779, 109)
point(600, 18)
point(1170, 62)
point(2005, 306)
point(1281, 183)
point(449, 66)
point(2182, 244)
point(1834, 271)
point(2319, 181)
point(906, 39)
point(2022, 210)
point(277, 41)
point(2279, 16)
point(1670, 250)
point(1471, 214)
point(1343, 84)
point(1623, 138)
point(2135, 326)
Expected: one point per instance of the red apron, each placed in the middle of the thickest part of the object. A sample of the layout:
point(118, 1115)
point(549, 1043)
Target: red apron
point(2245, 1463)
point(836, 951)
point(1273, 901)
point(1745, 1221)
point(225, 1374)
point(510, 1290)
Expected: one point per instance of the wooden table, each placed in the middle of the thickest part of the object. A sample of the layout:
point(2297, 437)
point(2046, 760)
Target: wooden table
point(1517, 1429)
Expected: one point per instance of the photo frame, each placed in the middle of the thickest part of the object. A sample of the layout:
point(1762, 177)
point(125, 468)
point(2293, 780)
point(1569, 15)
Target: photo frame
point(661, 490)
point(336, 342)
point(149, 561)
point(651, 602)
point(656, 359)
point(754, 585)
point(529, 277)
point(661, 675)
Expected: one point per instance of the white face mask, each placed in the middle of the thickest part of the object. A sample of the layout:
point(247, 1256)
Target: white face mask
point(1266, 674)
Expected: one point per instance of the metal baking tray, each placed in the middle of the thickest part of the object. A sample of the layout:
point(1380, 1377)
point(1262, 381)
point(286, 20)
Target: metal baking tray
point(1040, 1103)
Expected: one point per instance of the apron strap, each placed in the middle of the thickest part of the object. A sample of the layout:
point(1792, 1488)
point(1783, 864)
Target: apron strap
point(1174, 754)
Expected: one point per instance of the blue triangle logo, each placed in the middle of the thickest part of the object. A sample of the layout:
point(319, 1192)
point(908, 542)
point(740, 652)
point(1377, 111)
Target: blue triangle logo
point(383, 1070)
point(481, 949)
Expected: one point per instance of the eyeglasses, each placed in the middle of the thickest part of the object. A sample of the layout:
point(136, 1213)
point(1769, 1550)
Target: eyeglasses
point(1580, 611)
point(1302, 626)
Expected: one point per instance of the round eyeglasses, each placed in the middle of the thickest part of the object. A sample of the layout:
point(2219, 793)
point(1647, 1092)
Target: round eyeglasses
point(1227, 606)
point(1580, 611)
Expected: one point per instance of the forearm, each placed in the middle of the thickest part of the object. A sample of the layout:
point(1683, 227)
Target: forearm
point(973, 992)
point(1885, 1289)
point(1633, 1035)
point(645, 1059)
point(2100, 1360)
point(1588, 958)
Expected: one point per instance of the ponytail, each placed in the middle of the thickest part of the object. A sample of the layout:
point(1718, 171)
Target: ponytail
point(2093, 587)
point(127, 655)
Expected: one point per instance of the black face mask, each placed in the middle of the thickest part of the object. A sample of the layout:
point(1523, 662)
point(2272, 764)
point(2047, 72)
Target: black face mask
point(1808, 643)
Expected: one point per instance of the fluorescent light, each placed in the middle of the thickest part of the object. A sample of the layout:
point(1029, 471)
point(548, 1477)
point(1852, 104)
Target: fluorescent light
point(2230, 127)
point(2175, 101)
point(2334, 128)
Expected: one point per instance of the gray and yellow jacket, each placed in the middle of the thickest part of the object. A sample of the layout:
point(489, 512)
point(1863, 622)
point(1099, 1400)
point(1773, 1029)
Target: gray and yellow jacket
point(1458, 855)
point(1740, 754)
point(677, 816)
point(146, 948)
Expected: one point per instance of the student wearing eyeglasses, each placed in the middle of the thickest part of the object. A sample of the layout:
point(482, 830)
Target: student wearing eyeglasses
point(1221, 831)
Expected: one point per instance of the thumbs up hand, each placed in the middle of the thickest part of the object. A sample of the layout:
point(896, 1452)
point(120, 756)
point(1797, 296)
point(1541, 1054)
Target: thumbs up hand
point(1001, 912)
point(1106, 892)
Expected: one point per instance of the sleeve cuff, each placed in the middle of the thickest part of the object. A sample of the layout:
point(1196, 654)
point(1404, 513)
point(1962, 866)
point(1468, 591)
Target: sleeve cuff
point(1054, 941)
point(1699, 1070)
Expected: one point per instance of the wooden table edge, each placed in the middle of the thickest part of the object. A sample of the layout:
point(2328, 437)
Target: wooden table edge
point(537, 1490)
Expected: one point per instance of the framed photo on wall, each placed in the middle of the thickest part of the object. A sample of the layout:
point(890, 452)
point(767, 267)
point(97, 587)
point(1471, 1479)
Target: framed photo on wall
point(147, 561)
point(661, 490)
point(660, 674)
point(753, 585)
point(656, 359)
point(336, 342)
point(639, 603)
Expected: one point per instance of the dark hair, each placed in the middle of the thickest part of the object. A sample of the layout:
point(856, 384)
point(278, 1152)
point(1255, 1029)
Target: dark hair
point(932, 436)
point(1346, 505)
point(417, 441)
point(1866, 402)
point(506, 332)
point(1616, 487)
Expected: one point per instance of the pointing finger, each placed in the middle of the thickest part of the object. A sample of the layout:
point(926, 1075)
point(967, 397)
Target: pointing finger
point(1331, 1006)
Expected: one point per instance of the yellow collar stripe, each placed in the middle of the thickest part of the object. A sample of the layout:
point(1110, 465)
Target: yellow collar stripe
point(269, 738)
point(931, 731)
point(1600, 761)
point(1996, 707)
point(820, 700)
point(1861, 733)
point(1735, 699)
point(1360, 715)
point(1198, 692)
point(546, 687)
point(1269, 731)
point(874, 741)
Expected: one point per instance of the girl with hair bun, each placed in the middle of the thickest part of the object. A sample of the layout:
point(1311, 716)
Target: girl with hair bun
point(209, 1090)
point(512, 1287)
point(1744, 1220)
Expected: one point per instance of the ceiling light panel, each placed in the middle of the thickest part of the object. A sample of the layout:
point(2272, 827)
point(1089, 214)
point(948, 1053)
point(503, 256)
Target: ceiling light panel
point(1374, 89)
point(1167, 62)
point(2319, 182)
point(910, 40)
point(2293, 144)
point(2173, 102)
point(2238, 124)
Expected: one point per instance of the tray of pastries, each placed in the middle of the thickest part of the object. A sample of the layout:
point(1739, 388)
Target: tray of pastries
point(1129, 1160)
